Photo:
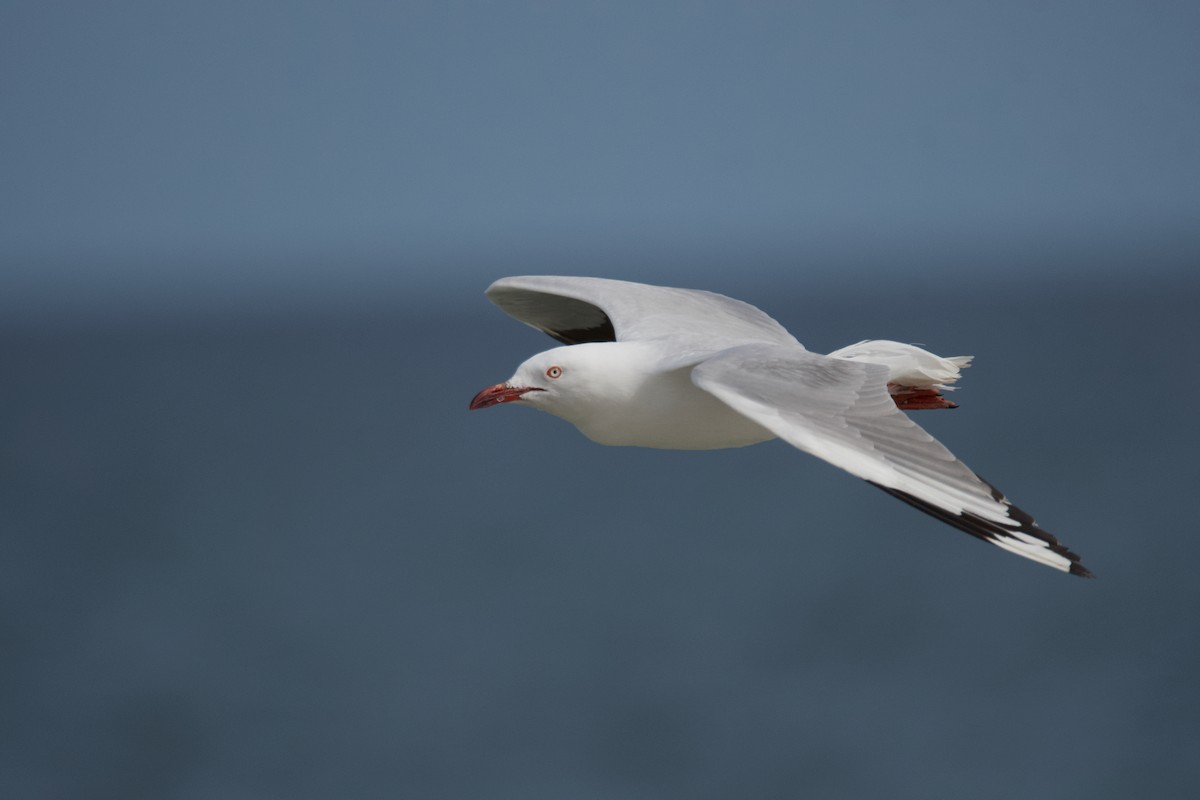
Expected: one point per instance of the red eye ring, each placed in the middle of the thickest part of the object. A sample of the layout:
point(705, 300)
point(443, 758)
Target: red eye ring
point(554, 372)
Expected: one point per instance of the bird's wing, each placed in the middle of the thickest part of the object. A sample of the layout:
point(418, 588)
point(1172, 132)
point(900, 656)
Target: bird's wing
point(576, 310)
point(841, 411)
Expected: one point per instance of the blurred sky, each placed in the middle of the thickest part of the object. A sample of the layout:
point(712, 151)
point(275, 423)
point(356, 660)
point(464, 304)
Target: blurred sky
point(262, 554)
point(168, 153)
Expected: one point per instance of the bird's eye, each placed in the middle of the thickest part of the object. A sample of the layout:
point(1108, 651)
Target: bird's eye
point(554, 372)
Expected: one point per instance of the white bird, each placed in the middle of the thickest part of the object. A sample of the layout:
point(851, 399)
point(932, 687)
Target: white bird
point(682, 369)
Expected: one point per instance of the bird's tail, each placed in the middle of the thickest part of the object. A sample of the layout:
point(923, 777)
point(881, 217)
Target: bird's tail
point(917, 377)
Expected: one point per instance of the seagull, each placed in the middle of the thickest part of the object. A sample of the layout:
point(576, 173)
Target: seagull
point(684, 369)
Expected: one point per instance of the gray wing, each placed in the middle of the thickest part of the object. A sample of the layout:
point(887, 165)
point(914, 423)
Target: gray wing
point(576, 310)
point(841, 411)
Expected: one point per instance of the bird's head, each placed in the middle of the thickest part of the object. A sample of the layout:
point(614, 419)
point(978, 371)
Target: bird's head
point(571, 382)
point(544, 382)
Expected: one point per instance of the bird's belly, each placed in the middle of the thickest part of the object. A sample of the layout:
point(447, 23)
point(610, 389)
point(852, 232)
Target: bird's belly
point(690, 420)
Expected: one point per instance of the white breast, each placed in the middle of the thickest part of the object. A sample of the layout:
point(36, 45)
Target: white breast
point(667, 411)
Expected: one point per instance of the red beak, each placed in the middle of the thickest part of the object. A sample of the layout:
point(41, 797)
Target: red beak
point(500, 393)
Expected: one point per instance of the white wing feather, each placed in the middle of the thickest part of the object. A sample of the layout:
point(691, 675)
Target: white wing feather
point(840, 410)
point(575, 310)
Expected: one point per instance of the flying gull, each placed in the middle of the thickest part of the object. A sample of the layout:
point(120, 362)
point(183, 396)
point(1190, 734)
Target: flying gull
point(684, 369)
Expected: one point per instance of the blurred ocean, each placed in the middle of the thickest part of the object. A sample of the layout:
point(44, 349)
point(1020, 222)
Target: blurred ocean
point(274, 556)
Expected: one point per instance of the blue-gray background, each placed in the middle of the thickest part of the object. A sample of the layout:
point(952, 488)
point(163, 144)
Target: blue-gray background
point(252, 545)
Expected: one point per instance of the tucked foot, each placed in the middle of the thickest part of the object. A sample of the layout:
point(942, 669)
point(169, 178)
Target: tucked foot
point(911, 398)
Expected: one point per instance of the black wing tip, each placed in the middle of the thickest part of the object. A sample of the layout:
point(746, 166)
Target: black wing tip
point(989, 531)
point(1028, 525)
point(1081, 570)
